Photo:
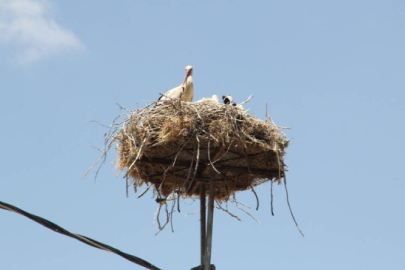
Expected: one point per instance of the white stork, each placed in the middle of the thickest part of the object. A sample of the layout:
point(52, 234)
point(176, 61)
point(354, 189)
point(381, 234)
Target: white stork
point(185, 91)
point(213, 99)
point(228, 100)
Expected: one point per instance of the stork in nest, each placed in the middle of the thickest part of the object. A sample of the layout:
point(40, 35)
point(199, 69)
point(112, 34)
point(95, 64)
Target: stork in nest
point(184, 92)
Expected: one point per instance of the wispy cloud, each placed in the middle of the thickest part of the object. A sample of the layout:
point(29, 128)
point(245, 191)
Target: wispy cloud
point(28, 25)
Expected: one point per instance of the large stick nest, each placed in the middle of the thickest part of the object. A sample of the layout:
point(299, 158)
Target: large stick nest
point(178, 145)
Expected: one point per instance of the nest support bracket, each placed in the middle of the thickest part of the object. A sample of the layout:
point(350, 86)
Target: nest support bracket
point(186, 164)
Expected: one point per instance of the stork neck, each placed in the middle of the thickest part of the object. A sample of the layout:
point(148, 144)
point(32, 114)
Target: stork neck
point(188, 80)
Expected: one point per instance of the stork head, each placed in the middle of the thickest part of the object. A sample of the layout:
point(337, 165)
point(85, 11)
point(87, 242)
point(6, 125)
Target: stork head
point(228, 100)
point(189, 72)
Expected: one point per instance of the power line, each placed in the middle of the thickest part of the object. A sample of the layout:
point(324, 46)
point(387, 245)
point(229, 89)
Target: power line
point(56, 228)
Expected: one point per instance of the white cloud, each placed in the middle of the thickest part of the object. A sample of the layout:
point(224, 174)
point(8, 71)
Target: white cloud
point(28, 24)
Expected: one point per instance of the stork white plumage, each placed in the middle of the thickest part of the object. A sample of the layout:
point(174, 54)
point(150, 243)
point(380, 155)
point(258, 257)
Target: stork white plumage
point(213, 99)
point(185, 91)
point(228, 100)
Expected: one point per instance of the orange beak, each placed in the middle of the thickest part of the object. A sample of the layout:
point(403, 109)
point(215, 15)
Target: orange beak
point(187, 75)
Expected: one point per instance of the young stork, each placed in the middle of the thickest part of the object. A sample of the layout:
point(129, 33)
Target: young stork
point(228, 100)
point(213, 99)
point(185, 91)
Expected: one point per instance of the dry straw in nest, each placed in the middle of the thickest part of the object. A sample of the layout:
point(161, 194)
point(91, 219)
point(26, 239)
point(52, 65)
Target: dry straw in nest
point(177, 145)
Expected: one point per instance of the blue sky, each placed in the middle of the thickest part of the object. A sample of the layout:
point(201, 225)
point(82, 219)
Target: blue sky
point(331, 70)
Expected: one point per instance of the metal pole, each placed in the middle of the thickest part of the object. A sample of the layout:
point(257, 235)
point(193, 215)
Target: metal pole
point(210, 220)
point(203, 224)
